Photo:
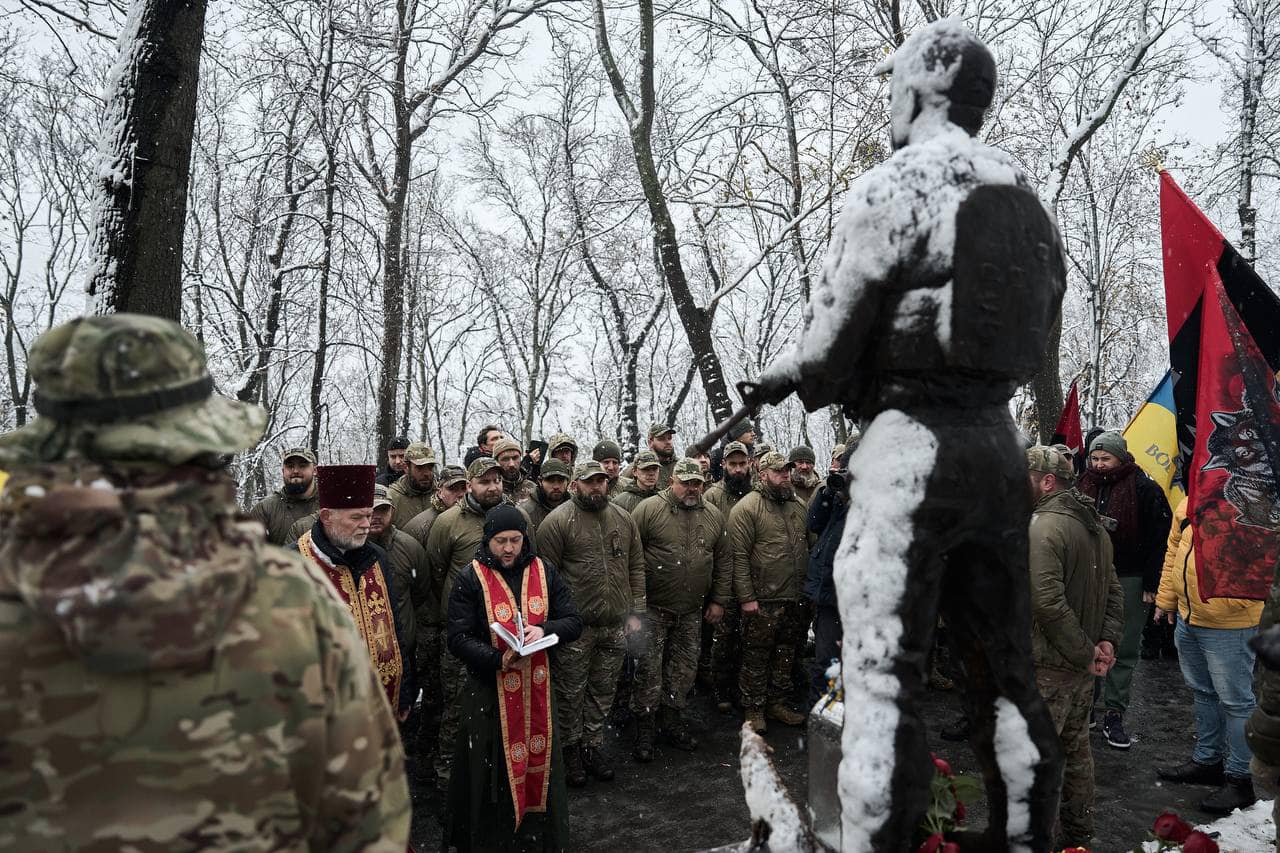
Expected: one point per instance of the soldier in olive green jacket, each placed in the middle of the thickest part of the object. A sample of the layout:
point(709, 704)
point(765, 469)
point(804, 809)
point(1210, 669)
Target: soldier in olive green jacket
point(642, 484)
point(722, 651)
point(296, 499)
point(596, 548)
point(551, 491)
point(412, 493)
point(770, 558)
point(687, 556)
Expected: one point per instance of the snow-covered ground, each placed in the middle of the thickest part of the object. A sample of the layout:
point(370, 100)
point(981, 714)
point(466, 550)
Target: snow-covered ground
point(1249, 830)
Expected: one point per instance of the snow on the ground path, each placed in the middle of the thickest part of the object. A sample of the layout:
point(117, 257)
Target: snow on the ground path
point(890, 470)
point(1017, 757)
point(1249, 830)
point(767, 798)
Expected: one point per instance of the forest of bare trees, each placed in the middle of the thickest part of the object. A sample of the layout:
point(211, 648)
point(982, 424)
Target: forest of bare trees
point(421, 215)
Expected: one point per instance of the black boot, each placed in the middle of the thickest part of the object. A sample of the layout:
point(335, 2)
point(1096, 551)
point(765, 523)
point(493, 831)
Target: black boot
point(594, 763)
point(643, 750)
point(1237, 793)
point(676, 732)
point(575, 775)
point(1193, 773)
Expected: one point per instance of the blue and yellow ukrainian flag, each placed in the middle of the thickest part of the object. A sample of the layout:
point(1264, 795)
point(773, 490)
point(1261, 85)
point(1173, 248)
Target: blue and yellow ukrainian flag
point(1152, 437)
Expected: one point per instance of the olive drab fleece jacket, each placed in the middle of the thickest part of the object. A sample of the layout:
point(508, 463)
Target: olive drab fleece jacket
point(770, 547)
point(1076, 598)
point(278, 513)
point(630, 495)
point(451, 546)
point(687, 553)
point(1180, 592)
point(599, 558)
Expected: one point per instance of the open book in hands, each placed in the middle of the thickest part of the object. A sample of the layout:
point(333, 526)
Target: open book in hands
point(516, 641)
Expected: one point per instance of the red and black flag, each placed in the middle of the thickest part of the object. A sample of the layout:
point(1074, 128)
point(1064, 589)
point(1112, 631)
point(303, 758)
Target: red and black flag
point(1224, 351)
point(1068, 430)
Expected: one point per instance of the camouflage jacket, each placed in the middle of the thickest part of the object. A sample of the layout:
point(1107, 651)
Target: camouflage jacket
point(280, 511)
point(408, 499)
point(687, 553)
point(770, 547)
point(599, 558)
point(179, 684)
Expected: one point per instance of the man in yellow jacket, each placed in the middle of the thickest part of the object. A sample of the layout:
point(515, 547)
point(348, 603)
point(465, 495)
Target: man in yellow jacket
point(1217, 663)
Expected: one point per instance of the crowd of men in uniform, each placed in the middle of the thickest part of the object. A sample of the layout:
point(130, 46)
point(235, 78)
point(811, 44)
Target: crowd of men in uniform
point(675, 572)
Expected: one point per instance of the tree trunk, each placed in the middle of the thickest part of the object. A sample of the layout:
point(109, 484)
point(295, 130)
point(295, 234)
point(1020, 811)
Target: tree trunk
point(1250, 85)
point(145, 159)
point(1046, 387)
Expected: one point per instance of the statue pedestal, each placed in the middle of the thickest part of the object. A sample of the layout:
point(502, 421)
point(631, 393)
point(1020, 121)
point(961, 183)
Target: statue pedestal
point(825, 725)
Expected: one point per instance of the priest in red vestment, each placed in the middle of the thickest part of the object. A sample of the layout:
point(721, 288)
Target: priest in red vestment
point(337, 546)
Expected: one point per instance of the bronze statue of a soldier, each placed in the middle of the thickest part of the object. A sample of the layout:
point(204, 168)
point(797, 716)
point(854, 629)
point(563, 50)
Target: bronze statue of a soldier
point(942, 280)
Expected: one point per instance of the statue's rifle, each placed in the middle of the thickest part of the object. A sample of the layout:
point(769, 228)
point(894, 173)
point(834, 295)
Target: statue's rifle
point(751, 403)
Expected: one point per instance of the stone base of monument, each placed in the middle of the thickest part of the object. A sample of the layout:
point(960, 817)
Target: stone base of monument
point(825, 723)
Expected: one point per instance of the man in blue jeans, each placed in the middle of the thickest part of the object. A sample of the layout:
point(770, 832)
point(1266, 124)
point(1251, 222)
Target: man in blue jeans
point(1217, 664)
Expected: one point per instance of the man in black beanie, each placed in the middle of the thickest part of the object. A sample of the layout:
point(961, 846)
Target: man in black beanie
point(395, 467)
point(507, 788)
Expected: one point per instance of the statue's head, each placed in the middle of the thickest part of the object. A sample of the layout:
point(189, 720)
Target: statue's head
point(942, 75)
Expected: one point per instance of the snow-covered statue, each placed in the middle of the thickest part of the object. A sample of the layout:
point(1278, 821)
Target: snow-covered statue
point(941, 283)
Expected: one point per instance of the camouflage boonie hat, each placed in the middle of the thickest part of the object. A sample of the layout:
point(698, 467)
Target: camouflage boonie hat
point(688, 470)
point(560, 440)
point(646, 459)
point(773, 461)
point(736, 447)
point(380, 496)
point(555, 468)
point(480, 467)
point(587, 470)
point(657, 429)
point(1046, 460)
point(419, 454)
point(606, 450)
point(127, 387)
point(298, 453)
point(452, 474)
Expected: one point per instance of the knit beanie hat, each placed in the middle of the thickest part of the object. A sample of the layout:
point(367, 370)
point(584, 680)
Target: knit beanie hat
point(1111, 442)
point(502, 518)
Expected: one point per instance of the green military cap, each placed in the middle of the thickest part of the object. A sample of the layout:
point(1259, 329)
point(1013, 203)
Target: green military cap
point(802, 454)
point(298, 453)
point(554, 468)
point(735, 447)
point(606, 449)
point(380, 497)
point(774, 461)
point(657, 429)
point(559, 440)
point(481, 466)
point(646, 459)
point(420, 454)
point(1064, 450)
point(1046, 460)
point(452, 474)
point(687, 470)
point(127, 387)
point(587, 470)
point(761, 449)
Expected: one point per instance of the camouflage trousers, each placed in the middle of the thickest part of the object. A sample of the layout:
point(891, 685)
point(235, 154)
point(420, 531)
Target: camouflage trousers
point(453, 676)
point(668, 660)
point(726, 650)
point(1069, 696)
point(769, 639)
point(586, 676)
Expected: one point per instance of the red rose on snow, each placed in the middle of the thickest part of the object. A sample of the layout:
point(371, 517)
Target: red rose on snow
point(943, 767)
point(959, 812)
point(1198, 842)
point(1170, 827)
point(931, 844)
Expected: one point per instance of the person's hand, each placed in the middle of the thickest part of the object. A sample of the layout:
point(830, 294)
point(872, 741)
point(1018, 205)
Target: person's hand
point(750, 607)
point(714, 613)
point(536, 454)
point(533, 633)
point(509, 659)
point(633, 624)
point(403, 715)
point(1104, 657)
point(1148, 598)
point(1163, 616)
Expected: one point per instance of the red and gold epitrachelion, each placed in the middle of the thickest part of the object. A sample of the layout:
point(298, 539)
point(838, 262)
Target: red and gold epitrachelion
point(524, 691)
